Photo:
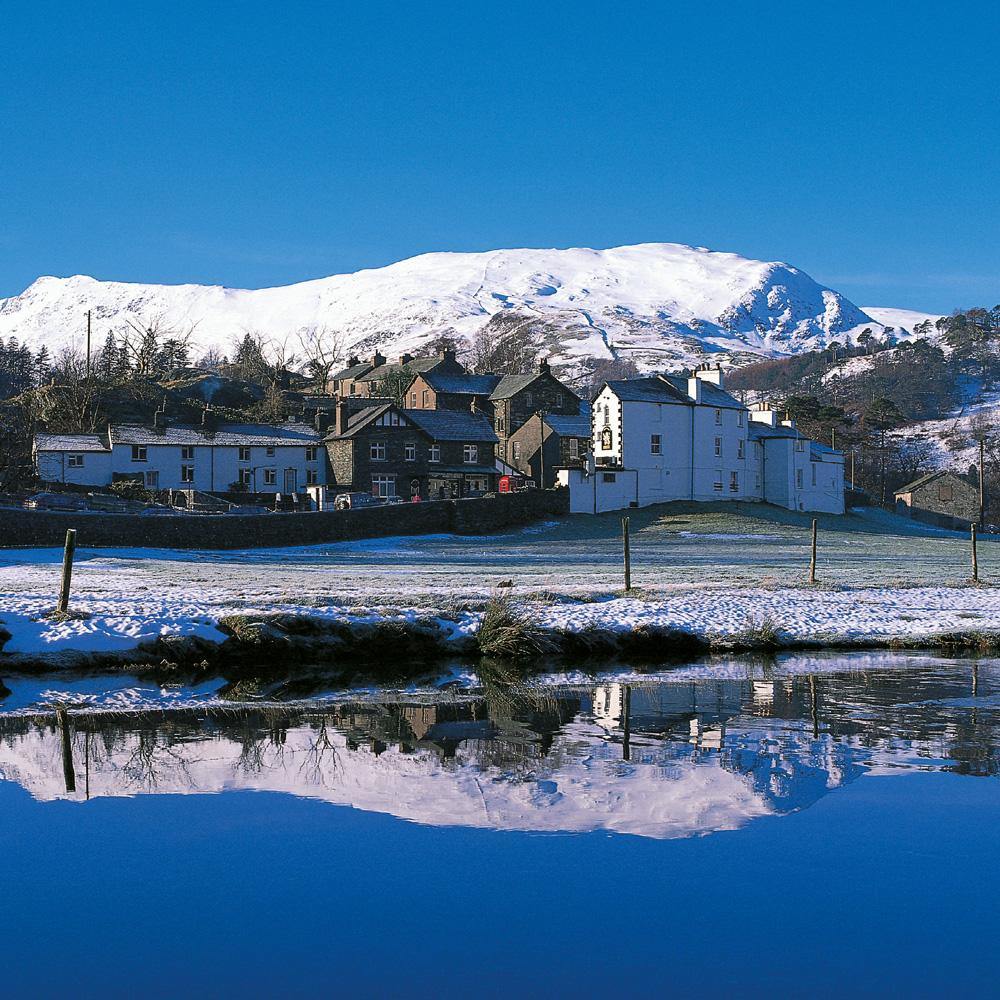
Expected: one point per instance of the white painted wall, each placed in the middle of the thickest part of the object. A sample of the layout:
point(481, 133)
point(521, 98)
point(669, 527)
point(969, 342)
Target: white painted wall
point(54, 467)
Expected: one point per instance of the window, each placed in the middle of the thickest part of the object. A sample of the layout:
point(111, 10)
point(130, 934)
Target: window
point(311, 454)
point(756, 480)
point(270, 477)
point(499, 425)
point(654, 444)
point(560, 400)
point(574, 448)
point(718, 416)
point(312, 477)
point(608, 477)
point(718, 447)
point(813, 465)
point(435, 453)
point(413, 400)
point(740, 449)
point(354, 388)
point(244, 454)
point(152, 480)
point(187, 453)
point(717, 485)
point(410, 451)
point(800, 445)
point(376, 451)
point(516, 451)
point(470, 453)
point(187, 473)
point(244, 477)
point(734, 482)
point(139, 453)
point(391, 419)
point(270, 453)
point(425, 398)
point(74, 461)
point(739, 418)
point(946, 491)
point(383, 486)
point(798, 479)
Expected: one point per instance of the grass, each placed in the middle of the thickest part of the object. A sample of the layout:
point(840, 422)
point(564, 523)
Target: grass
point(507, 631)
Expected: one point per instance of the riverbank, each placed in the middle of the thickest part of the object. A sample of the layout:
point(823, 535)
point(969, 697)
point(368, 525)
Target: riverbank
point(175, 632)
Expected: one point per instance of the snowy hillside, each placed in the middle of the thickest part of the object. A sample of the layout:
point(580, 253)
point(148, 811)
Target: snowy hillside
point(577, 304)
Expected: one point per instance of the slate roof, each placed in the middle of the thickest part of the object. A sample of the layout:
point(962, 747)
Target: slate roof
point(463, 385)
point(928, 478)
point(418, 366)
point(354, 371)
point(453, 425)
point(71, 442)
point(225, 435)
point(648, 390)
point(711, 394)
point(570, 426)
point(759, 430)
point(511, 385)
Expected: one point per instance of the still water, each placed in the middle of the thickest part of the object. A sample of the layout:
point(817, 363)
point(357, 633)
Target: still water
point(803, 826)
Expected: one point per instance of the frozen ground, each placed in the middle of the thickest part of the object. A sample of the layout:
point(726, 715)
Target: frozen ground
point(701, 568)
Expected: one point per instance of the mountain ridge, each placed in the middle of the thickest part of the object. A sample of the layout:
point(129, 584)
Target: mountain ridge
point(579, 305)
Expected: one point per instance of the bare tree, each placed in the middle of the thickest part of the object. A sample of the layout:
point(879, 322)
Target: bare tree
point(504, 346)
point(323, 351)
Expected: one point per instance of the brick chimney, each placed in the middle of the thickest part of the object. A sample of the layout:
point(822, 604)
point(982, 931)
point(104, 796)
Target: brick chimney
point(208, 420)
point(342, 416)
point(449, 354)
point(159, 422)
point(321, 421)
point(353, 360)
point(543, 366)
point(378, 359)
point(405, 359)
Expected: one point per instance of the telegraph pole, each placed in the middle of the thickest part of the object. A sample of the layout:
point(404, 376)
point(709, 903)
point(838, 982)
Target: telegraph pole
point(982, 482)
point(88, 345)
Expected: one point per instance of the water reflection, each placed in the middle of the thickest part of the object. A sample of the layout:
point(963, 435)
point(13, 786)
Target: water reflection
point(663, 758)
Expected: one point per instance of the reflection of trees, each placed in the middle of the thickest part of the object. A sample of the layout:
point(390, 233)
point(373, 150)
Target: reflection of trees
point(153, 759)
point(320, 751)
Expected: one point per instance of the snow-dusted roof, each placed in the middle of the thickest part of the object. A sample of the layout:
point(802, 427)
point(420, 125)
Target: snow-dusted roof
point(71, 442)
point(241, 435)
point(929, 477)
point(417, 366)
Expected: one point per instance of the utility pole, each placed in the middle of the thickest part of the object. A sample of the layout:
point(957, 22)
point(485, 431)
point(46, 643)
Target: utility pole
point(833, 437)
point(88, 345)
point(982, 482)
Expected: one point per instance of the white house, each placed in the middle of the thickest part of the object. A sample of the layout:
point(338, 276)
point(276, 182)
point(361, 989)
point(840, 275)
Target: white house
point(262, 458)
point(673, 437)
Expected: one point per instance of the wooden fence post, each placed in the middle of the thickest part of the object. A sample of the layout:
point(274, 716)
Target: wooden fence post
point(812, 555)
point(975, 555)
point(628, 554)
point(67, 571)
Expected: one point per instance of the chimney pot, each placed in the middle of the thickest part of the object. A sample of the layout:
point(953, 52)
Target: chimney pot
point(378, 359)
point(343, 412)
point(543, 366)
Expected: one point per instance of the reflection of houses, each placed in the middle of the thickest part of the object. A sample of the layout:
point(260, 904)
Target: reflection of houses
point(700, 758)
point(942, 498)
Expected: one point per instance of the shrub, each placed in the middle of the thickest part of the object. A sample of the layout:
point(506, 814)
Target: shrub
point(506, 631)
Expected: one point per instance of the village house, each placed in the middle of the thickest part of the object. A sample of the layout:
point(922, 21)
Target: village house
point(438, 390)
point(676, 437)
point(368, 378)
point(432, 454)
point(943, 498)
point(548, 442)
point(518, 398)
point(258, 458)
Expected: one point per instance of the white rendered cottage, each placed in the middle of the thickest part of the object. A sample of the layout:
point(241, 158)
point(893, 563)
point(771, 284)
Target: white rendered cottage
point(673, 437)
point(262, 458)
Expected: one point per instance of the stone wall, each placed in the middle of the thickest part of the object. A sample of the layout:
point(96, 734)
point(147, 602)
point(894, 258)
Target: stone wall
point(24, 528)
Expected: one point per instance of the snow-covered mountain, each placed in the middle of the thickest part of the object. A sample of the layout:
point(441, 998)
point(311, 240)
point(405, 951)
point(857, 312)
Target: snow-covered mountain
point(653, 303)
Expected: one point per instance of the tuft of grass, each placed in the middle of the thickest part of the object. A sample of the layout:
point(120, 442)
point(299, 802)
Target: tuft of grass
point(507, 632)
point(758, 634)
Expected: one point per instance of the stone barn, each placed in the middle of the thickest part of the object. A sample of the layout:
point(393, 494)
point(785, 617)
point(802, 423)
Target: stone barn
point(942, 498)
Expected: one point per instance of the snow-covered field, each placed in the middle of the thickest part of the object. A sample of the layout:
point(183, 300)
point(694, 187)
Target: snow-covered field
point(709, 571)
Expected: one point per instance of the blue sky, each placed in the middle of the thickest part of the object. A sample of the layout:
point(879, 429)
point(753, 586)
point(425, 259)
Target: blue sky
point(259, 144)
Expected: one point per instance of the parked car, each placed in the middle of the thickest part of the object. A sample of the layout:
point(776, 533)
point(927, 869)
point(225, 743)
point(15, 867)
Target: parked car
point(394, 500)
point(56, 501)
point(348, 501)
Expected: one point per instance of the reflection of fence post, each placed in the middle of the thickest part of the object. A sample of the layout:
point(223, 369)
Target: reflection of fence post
point(975, 555)
point(628, 555)
point(627, 723)
point(812, 556)
point(67, 750)
point(67, 571)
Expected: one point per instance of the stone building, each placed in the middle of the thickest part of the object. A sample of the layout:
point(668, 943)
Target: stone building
point(547, 442)
point(368, 378)
point(943, 498)
point(433, 454)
